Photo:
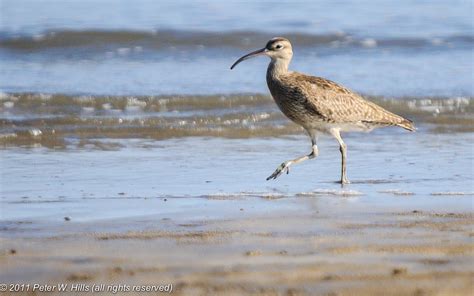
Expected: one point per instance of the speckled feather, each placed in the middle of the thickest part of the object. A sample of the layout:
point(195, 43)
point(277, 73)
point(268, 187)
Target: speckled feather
point(309, 100)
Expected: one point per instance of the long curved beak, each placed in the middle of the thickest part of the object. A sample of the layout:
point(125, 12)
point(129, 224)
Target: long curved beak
point(248, 56)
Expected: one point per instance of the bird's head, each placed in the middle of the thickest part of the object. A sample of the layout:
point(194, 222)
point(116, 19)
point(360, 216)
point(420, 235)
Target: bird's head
point(276, 48)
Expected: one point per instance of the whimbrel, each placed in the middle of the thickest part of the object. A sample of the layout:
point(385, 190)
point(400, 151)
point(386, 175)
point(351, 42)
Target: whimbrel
point(318, 105)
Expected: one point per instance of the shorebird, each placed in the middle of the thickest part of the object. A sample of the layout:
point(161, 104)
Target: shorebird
point(319, 105)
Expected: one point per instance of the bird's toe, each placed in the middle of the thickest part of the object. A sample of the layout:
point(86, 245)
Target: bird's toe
point(284, 166)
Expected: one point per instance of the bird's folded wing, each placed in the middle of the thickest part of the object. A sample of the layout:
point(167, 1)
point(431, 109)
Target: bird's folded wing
point(336, 103)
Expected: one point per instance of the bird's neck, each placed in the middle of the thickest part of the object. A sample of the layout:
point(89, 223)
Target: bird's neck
point(277, 67)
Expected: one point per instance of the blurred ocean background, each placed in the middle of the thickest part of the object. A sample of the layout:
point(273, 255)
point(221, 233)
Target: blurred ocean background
point(112, 47)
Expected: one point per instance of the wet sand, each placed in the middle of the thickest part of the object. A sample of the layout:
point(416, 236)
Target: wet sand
point(198, 213)
point(239, 245)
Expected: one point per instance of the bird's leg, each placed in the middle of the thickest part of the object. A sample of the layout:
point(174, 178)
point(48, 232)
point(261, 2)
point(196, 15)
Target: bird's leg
point(343, 148)
point(285, 167)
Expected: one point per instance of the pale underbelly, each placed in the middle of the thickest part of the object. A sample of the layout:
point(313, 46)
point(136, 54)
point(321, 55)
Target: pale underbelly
point(325, 127)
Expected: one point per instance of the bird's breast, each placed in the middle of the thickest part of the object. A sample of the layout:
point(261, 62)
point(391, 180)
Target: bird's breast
point(292, 102)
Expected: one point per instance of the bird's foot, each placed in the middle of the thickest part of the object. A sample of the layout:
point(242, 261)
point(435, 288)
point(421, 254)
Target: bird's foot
point(280, 170)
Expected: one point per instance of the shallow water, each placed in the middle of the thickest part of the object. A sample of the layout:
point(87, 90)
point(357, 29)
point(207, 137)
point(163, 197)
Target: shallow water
point(386, 167)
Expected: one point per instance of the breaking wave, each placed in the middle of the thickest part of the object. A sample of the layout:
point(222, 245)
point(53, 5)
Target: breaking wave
point(162, 39)
point(55, 120)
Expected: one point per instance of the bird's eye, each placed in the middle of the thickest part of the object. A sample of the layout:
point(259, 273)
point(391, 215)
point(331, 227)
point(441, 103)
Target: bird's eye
point(279, 46)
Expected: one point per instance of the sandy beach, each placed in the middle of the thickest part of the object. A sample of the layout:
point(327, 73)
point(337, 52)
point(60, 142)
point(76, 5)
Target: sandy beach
point(315, 244)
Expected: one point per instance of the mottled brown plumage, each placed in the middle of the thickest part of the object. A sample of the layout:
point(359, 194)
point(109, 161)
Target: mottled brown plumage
point(318, 104)
point(310, 100)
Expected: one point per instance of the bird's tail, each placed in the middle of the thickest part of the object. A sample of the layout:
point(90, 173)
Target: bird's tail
point(407, 124)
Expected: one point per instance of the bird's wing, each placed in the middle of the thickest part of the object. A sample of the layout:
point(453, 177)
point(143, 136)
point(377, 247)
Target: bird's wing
point(336, 103)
